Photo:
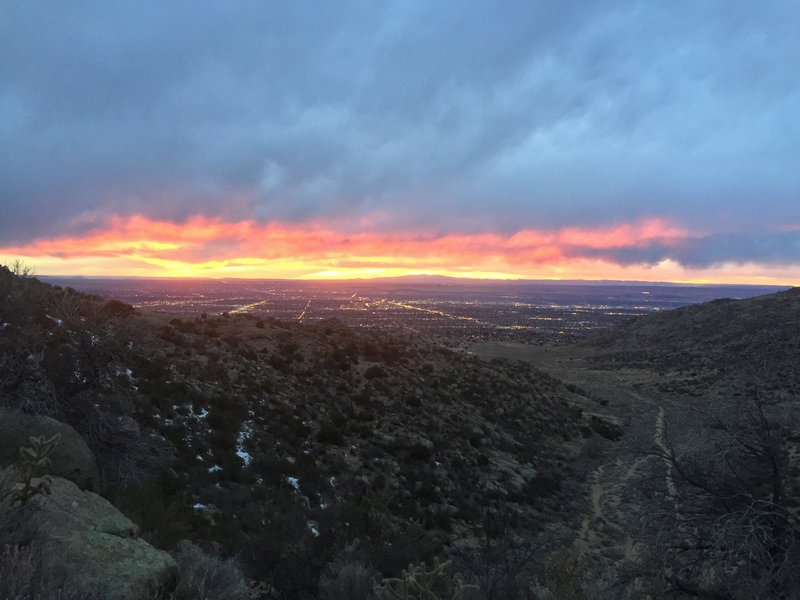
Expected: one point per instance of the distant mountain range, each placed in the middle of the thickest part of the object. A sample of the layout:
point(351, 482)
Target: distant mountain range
point(434, 279)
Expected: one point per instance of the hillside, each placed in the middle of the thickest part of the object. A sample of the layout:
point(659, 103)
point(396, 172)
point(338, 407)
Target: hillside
point(295, 446)
point(705, 480)
point(317, 458)
point(721, 345)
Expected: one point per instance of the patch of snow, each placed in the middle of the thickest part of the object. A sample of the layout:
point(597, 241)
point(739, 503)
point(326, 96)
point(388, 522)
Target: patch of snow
point(243, 436)
point(294, 482)
point(198, 457)
point(214, 469)
point(199, 506)
point(195, 415)
point(332, 480)
point(312, 528)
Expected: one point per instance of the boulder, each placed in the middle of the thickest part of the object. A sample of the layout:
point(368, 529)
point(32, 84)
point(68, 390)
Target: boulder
point(606, 426)
point(95, 549)
point(71, 458)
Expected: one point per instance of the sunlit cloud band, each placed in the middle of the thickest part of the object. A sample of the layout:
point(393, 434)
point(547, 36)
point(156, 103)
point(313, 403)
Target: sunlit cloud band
point(651, 249)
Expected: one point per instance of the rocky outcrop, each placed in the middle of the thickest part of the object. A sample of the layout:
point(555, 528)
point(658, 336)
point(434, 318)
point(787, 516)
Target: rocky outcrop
point(607, 426)
point(70, 459)
point(89, 544)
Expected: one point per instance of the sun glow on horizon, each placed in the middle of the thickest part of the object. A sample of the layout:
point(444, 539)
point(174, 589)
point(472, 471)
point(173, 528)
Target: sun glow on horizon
point(213, 248)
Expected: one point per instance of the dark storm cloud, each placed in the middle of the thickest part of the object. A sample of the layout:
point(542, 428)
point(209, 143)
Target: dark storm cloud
point(715, 250)
point(452, 116)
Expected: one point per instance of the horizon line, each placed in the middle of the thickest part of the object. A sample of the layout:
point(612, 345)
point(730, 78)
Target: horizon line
point(429, 277)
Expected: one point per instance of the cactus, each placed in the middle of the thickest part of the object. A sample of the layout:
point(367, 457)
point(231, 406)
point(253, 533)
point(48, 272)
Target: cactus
point(33, 462)
point(416, 583)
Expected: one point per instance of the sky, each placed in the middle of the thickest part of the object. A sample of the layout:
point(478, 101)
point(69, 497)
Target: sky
point(651, 141)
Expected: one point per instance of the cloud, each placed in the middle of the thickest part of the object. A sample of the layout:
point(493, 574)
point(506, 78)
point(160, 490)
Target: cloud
point(201, 240)
point(463, 119)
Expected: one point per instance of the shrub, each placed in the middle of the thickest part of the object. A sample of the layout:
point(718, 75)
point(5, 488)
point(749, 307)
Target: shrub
point(348, 579)
point(420, 582)
point(374, 372)
point(330, 434)
point(207, 577)
point(420, 452)
point(22, 578)
point(117, 308)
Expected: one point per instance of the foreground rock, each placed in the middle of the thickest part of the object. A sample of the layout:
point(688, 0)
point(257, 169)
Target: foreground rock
point(88, 543)
point(70, 459)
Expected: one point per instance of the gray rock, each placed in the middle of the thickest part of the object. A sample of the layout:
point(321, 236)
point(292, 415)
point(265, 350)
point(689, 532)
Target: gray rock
point(607, 426)
point(70, 459)
point(93, 547)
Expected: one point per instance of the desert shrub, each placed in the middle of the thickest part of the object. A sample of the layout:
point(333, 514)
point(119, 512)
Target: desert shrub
point(159, 507)
point(22, 578)
point(249, 354)
point(279, 363)
point(413, 401)
point(420, 452)
point(297, 429)
point(374, 372)
point(348, 579)
point(419, 581)
point(207, 577)
point(330, 434)
point(543, 484)
point(475, 439)
point(117, 308)
point(125, 452)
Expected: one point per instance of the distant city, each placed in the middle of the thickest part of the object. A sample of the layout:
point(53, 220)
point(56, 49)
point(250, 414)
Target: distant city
point(459, 310)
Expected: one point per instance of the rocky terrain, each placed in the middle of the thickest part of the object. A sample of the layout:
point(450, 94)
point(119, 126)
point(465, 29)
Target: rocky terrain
point(295, 448)
point(699, 498)
point(268, 459)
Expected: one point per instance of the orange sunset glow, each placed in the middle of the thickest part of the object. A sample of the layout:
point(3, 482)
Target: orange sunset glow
point(211, 247)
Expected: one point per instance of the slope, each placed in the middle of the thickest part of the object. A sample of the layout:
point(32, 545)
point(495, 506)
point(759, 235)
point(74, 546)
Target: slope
point(286, 443)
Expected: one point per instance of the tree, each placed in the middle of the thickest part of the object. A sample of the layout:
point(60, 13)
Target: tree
point(728, 525)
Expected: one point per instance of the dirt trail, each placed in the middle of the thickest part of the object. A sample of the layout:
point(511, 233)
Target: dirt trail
point(614, 488)
point(588, 538)
point(658, 439)
point(606, 528)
